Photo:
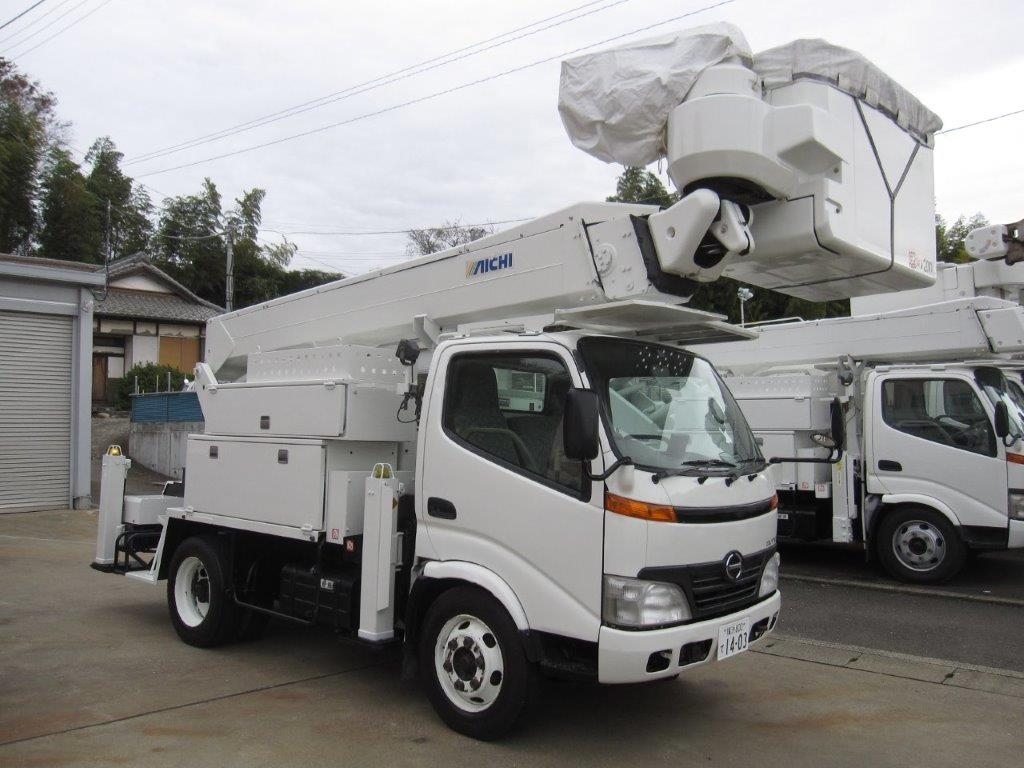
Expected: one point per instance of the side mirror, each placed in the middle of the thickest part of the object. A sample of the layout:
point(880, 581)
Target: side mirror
point(1002, 420)
point(580, 425)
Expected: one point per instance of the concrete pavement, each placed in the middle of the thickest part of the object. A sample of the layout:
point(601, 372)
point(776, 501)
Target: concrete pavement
point(92, 674)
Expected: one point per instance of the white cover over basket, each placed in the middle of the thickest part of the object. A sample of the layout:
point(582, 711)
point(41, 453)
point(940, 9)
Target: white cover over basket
point(615, 103)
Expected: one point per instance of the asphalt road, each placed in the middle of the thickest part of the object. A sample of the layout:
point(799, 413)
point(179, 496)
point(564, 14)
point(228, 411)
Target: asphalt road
point(989, 574)
point(92, 674)
point(832, 595)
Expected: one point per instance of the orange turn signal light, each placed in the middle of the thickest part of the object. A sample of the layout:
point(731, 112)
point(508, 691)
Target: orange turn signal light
point(1015, 458)
point(620, 505)
point(774, 502)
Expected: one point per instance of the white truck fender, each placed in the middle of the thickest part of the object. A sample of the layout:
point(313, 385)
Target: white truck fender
point(892, 499)
point(482, 577)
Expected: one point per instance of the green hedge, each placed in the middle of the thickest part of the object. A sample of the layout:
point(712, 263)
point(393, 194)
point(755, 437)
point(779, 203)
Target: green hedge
point(152, 378)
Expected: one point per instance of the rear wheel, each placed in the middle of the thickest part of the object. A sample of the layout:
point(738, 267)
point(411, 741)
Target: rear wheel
point(920, 546)
point(473, 663)
point(202, 611)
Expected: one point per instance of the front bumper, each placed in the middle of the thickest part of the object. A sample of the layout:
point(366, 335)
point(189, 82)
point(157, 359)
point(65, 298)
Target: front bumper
point(622, 656)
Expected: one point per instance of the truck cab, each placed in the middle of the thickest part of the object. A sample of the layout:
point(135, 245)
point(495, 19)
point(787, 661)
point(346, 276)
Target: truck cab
point(925, 426)
point(629, 575)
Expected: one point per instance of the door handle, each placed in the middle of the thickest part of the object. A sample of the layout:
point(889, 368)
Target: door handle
point(889, 466)
point(440, 508)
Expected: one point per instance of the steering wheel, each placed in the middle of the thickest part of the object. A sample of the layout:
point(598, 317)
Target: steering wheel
point(517, 441)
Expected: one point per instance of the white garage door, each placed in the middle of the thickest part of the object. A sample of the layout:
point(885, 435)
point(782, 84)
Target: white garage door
point(35, 411)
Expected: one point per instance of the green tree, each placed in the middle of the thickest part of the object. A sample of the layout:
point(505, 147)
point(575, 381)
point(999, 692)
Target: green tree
point(448, 235)
point(68, 214)
point(190, 244)
point(638, 185)
point(129, 205)
point(949, 239)
point(28, 125)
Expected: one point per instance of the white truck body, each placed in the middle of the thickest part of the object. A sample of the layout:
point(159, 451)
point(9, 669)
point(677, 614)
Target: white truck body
point(539, 473)
point(920, 420)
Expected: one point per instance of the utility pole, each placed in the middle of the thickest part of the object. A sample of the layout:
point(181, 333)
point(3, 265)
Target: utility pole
point(106, 244)
point(229, 282)
point(745, 295)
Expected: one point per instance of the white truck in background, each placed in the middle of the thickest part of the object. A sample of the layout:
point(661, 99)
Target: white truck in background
point(469, 453)
point(932, 463)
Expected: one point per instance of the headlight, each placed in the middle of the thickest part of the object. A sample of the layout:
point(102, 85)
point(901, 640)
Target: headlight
point(770, 576)
point(1016, 505)
point(637, 604)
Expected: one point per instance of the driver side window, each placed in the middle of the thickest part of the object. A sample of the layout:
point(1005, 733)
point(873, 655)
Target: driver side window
point(508, 408)
point(945, 411)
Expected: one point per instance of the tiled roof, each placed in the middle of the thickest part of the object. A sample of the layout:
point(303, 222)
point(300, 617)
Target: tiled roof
point(141, 263)
point(144, 305)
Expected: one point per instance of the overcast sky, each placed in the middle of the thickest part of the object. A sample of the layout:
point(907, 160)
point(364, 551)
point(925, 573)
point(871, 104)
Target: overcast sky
point(156, 73)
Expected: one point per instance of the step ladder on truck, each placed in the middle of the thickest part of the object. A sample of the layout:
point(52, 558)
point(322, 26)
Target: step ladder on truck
point(468, 453)
point(932, 465)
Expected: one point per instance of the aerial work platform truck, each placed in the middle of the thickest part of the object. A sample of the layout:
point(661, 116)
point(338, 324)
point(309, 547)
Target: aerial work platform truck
point(468, 453)
point(932, 466)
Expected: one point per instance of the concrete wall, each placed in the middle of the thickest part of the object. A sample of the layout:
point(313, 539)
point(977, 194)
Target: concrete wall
point(160, 446)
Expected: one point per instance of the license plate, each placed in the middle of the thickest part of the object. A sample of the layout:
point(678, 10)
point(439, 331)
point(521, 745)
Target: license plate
point(733, 638)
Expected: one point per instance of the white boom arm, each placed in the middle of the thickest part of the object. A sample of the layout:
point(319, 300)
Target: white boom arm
point(949, 331)
point(793, 182)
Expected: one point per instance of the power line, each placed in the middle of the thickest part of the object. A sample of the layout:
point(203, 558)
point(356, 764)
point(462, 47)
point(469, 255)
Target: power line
point(15, 18)
point(62, 30)
point(437, 94)
point(27, 26)
point(45, 26)
point(379, 82)
point(980, 122)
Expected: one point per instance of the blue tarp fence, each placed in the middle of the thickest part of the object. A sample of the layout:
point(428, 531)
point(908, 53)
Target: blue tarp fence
point(166, 406)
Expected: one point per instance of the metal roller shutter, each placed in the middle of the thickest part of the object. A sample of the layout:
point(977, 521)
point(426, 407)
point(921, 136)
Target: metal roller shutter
point(35, 411)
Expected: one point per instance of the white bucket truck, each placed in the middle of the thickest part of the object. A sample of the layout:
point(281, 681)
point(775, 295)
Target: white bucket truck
point(932, 466)
point(503, 493)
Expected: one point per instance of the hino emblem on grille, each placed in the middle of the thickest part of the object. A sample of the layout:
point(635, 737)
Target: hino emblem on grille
point(733, 564)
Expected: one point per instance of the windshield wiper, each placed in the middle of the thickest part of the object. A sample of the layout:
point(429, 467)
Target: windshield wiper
point(692, 463)
point(708, 463)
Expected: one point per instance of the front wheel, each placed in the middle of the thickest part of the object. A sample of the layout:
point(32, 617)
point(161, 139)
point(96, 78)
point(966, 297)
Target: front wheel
point(473, 663)
point(920, 546)
point(202, 611)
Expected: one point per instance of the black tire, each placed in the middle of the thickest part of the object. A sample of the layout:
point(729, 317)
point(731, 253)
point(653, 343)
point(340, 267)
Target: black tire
point(919, 546)
point(472, 664)
point(202, 566)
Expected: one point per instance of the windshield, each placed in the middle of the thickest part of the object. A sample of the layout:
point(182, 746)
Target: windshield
point(997, 388)
point(667, 408)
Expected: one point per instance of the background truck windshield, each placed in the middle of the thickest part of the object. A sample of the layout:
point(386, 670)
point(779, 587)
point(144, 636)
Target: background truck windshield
point(667, 409)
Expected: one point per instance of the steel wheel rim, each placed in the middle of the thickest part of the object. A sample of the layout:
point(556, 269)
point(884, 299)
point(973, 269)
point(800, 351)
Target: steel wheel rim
point(192, 591)
point(919, 545)
point(468, 663)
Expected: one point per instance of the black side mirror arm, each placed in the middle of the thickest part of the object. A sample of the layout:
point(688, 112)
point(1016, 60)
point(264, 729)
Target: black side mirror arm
point(833, 458)
point(625, 461)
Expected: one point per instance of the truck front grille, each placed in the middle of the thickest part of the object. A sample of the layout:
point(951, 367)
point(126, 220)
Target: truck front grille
point(709, 588)
point(713, 593)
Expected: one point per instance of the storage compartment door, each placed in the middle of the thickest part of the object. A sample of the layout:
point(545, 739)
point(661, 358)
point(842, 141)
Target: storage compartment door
point(270, 482)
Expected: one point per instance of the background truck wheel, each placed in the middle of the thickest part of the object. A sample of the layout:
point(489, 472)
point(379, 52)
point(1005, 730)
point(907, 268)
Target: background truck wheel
point(473, 664)
point(920, 546)
point(202, 612)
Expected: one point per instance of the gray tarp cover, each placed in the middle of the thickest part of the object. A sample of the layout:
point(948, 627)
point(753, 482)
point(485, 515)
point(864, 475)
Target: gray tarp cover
point(615, 103)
